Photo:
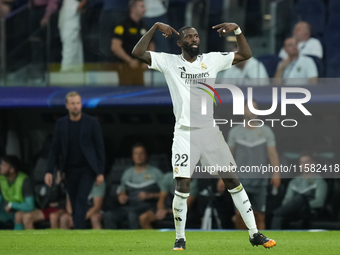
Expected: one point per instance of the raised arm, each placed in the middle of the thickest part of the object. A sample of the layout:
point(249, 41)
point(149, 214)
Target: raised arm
point(244, 51)
point(140, 49)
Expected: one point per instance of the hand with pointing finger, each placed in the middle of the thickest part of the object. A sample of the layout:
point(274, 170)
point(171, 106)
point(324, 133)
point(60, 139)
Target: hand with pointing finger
point(166, 29)
point(225, 28)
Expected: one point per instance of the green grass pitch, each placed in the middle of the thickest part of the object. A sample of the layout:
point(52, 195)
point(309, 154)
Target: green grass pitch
point(49, 242)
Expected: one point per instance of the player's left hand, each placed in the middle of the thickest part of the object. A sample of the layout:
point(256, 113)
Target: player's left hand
point(225, 28)
point(275, 181)
point(100, 179)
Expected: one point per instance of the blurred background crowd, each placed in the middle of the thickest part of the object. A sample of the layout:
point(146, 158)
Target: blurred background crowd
point(88, 43)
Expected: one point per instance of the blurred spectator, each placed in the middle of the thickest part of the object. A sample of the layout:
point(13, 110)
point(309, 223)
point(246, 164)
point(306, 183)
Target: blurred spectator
point(41, 12)
point(296, 69)
point(94, 205)
point(156, 11)
point(69, 28)
point(79, 141)
point(125, 37)
point(253, 146)
point(16, 194)
point(139, 191)
point(247, 73)
point(54, 209)
point(164, 204)
point(176, 14)
point(307, 45)
point(304, 193)
point(5, 7)
point(113, 12)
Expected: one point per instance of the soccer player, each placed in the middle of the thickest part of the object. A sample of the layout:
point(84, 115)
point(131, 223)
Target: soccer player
point(197, 139)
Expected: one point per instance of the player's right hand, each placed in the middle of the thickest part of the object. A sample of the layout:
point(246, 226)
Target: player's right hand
point(166, 29)
point(48, 179)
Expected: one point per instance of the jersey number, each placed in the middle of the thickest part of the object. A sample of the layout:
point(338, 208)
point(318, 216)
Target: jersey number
point(178, 157)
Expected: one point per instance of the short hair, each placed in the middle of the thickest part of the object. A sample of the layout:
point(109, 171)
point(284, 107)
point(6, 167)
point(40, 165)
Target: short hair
point(132, 3)
point(289, 38)
point(139, 144)
point(71, 94)
point(180, 32)
point(309, 26)
point(307, 154)
point(13, 161)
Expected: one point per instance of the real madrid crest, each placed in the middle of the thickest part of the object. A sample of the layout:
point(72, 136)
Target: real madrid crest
point(203, 66)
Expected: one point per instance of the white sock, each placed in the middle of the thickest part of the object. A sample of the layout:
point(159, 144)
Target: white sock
point(242, 204)
point(180, 208)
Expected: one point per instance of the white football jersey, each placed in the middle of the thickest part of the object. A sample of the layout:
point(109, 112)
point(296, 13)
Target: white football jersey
point(189, 83)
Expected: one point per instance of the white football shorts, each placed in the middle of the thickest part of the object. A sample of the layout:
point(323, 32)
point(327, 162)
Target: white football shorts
point(207, 145)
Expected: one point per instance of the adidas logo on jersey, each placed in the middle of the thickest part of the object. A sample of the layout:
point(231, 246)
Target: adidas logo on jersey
point(182, 68)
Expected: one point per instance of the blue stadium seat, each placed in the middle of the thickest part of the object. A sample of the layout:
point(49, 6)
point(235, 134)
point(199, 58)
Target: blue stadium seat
point(313, 12)
point(333, 6)
point(270, 62)
point(319, 65)
point(331, 41)
point(333, 24)
point(333, 67)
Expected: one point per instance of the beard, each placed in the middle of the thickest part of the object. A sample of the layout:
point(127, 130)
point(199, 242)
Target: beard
point(75, 113)
point(193, 52)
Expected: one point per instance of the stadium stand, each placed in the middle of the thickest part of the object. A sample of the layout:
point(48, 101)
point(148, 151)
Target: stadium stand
point(270, 62)
point(312, 11)
point(333, 7)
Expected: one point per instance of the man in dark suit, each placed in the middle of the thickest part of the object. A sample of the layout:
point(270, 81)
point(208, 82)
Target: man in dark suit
point(78, 140)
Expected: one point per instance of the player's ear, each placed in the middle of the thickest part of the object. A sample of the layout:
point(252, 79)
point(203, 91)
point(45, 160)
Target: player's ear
point(179, 43)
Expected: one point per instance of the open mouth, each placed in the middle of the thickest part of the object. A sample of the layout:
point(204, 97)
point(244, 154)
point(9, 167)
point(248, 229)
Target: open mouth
point(195, 46)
